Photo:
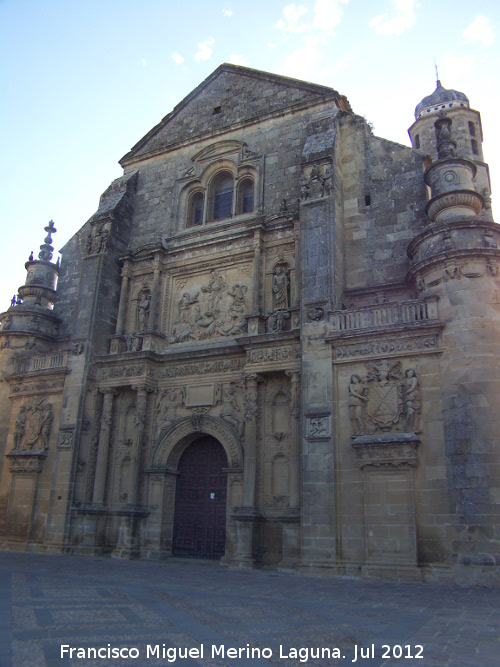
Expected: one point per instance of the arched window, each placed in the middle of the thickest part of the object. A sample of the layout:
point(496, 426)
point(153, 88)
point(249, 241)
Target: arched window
point(222, 196)
point(472, 129)
point(195, 216)
point(417, 141)
point(245, 196)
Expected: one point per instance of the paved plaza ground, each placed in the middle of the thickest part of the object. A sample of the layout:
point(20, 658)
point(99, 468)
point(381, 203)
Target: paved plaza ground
point(50, 605)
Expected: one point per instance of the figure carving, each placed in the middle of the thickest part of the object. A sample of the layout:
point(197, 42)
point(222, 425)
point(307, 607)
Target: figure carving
point(143, 308)
point(277, 321)
point(215, 290)
point(33, 425)
point(280, 288)
point(318, 427)
point(20, 427)
point(47, 419)
point(412, 402)
point(384, 401)
point(357, 401)
point(215, 315)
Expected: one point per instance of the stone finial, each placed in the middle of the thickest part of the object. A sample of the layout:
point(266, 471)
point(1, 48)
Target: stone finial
point(46, 248)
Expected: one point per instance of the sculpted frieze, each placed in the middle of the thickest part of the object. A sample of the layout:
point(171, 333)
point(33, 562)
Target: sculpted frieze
point(268, 354)
point(385, 400)
point(203, 368)
point(387, 346)
point(43, 386)
point(123, 371)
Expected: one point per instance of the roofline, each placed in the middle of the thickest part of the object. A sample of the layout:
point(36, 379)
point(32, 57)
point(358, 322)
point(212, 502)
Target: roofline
point(323, 91)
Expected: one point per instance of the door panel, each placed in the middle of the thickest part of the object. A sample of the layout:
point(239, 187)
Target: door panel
point(200, 501)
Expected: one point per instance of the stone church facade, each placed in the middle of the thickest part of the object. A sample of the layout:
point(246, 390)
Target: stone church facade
point(276, 342)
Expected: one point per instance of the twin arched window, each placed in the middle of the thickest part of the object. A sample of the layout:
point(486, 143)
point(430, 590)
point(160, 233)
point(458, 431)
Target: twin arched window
point(225, 198)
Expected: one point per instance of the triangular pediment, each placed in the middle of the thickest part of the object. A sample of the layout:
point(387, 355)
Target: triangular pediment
point(230, 97)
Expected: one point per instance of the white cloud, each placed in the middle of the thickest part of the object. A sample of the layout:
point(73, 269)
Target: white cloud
point(328, 14)
point(292, 16)
point(143, 62)
point(204, 49)
point(236, 59)
point(454, 67)
point(227, 12)
point(479, 31)
point(395, 25)
point(271, 45)
point(177, 58)
point(303, 62)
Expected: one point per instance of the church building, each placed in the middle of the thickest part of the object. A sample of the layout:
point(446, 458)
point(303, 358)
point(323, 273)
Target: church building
point(276, 343)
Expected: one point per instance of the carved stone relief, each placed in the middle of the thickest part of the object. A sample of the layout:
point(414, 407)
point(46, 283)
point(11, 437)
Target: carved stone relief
point(214, 310)
point(316, 181)
point(318, 427)
point(98, 238)
point(385, 400)
point(33, 425)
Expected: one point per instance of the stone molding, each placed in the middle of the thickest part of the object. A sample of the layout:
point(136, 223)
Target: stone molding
point(391, 450)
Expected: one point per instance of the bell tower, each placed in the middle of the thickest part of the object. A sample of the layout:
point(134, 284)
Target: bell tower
point(456, 258)
point(30, 312)
point(467, 131)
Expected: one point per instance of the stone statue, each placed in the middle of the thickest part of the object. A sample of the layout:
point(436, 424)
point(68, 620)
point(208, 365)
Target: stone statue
point(280, 288)
point(412, 401)
point(47, 419)
point(143, 307)
point(20, 427)
point(357, 401)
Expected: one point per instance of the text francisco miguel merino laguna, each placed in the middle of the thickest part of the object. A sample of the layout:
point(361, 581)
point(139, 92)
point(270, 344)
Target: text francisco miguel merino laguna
point(174, 653)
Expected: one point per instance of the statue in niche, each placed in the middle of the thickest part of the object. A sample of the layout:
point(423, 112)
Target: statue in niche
point(280, 287)
point(412, 401)
point(357, 403)
point(143, 308)
point(20, 427)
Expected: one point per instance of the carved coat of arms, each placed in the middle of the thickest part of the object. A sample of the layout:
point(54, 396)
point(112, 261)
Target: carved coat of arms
point(385, 399)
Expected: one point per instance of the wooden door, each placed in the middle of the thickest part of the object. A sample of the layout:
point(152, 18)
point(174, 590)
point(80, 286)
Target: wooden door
point(200, 501)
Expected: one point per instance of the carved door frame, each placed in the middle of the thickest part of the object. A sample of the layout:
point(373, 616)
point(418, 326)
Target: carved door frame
point(163, 476)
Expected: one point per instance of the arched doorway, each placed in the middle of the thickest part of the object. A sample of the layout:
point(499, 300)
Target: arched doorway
point(200, 501)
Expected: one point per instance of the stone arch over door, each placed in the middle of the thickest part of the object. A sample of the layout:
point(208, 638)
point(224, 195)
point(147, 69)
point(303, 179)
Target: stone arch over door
point(163, 478)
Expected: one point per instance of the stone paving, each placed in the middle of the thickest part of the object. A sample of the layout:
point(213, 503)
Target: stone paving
point(180, 606)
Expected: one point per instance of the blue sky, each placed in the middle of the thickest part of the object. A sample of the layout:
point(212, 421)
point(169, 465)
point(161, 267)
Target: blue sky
point(82, 82)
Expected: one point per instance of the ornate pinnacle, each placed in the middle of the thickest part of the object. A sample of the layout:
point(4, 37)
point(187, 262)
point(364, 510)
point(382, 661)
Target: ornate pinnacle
point(46, 248)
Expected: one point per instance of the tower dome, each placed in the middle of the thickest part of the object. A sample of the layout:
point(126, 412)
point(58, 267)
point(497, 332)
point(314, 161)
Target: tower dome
point(441, 99)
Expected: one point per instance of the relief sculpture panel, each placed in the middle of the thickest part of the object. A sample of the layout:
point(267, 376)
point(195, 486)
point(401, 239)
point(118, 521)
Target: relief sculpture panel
point(213, 306)
point(385, 400)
